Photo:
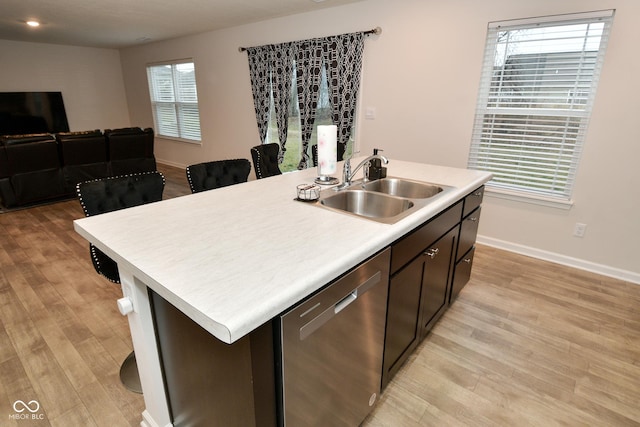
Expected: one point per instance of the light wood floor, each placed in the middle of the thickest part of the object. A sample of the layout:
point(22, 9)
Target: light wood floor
point(526, 343)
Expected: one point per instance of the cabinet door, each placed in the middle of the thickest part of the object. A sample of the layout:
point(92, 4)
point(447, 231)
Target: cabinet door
point(403, 317)
point(462, 274)
point(468, 232)
point(436, 278)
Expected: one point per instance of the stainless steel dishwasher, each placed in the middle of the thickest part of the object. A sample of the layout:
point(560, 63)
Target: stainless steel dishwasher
point(332, 346)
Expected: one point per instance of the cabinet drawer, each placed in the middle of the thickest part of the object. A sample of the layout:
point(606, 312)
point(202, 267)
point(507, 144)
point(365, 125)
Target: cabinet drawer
point(473, 200)
point(468, 232)
point(462, 274)
point(415, 242)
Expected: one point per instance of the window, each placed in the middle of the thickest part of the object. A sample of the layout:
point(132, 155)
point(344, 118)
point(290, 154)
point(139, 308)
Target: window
point(294, 137)
point(174, 100)
point(538, 85)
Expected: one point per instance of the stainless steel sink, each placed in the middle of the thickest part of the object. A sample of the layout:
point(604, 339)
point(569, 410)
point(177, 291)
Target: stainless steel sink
point(403, 188)
point(386, 200)
point(368, 204)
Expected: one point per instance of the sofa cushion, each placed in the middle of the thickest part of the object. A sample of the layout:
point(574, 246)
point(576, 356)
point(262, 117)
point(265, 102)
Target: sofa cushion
point(79, 148)
point(23, 157)
point(4, 163)
point(8, 140)
point(32, 187)
point(129, 143)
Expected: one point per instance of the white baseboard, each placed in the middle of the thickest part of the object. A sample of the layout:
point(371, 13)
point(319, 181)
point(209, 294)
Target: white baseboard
point(148, 421)
point(604, 270)
point(169, 163)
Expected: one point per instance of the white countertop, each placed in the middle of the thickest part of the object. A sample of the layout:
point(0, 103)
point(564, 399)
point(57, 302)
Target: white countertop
point(235, 257)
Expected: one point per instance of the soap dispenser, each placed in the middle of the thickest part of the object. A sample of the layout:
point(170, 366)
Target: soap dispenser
point(376, 170)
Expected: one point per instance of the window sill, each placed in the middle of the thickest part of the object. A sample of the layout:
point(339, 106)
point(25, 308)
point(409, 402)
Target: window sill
point(173, 138)
point(500, 193)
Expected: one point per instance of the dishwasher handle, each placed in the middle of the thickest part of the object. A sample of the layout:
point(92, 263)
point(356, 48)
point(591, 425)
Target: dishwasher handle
point(315, 324)
point(344, 302)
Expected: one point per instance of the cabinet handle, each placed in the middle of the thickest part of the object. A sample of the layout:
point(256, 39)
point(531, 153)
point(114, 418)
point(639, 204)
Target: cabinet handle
point(478, 194)
point(467, 260)
point(473, 218)
point(432, 252)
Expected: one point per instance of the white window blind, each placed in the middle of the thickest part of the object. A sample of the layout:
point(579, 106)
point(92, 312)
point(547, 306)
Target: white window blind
point(174, 100)
point(538, 85)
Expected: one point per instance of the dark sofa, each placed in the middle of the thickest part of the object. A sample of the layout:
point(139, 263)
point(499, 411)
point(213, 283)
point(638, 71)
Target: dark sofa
point(41, 167)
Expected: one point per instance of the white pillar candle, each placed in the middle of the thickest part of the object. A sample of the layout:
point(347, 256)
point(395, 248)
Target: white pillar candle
point(327, 149)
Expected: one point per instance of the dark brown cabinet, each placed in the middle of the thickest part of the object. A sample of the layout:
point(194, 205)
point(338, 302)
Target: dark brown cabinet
point(429, 267)
point(421, 270)
point(468, 232)
point(403, 317)
point(462, 274)
point(436, 279)
point(467, 241)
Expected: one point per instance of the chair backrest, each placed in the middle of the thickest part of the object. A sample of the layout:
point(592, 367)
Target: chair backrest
point(314, 153)
point(114, 193)
point(265, 160)
point(218, 173)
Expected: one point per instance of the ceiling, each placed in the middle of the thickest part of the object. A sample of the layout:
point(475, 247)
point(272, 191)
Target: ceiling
point(123, 23)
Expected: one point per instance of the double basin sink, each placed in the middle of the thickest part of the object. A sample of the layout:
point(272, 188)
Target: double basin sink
point(384, 200)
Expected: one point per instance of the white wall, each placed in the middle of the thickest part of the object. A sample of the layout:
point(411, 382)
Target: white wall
point(90, 80)
point(422, 76)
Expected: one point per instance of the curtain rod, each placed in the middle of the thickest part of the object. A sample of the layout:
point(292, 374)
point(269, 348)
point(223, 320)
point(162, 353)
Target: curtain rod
point(376, 31)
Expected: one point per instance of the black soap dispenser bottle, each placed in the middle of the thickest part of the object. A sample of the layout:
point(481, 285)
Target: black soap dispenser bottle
point(376, 170)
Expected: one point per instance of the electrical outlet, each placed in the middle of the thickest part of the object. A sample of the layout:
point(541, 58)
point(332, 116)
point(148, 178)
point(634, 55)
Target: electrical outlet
point(579, 229)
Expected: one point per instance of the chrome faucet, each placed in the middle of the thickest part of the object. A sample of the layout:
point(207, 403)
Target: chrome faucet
point(348, 174)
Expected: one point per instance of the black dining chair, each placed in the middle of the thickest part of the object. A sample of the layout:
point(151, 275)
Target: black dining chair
point(111, 194)
point(265, 160)
point(217, 173)
point(314, 153)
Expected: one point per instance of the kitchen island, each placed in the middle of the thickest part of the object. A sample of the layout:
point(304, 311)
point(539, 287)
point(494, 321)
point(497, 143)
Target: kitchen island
point(234, 258)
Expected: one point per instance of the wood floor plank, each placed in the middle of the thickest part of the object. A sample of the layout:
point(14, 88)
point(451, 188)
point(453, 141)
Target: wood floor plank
point(15, 385)
point(53, 390)
point(531, 407)
point(611, 394)
point(552, 352)
point(463, 405)
point(492, 346)
point(103, 410)
point(76, 416)
point(66, 354)
point(399, 411)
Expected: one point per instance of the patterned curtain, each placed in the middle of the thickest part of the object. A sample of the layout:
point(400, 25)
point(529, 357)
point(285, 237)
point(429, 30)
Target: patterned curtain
point(343, 59)
point(282, 71)
point(260, 74)
point(309, 72)
point(271, 69)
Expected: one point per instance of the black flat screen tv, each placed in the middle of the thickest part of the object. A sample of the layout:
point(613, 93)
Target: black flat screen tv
point(32, 112)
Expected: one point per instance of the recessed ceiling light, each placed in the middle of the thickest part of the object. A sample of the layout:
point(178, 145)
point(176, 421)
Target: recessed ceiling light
point(33, 23)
